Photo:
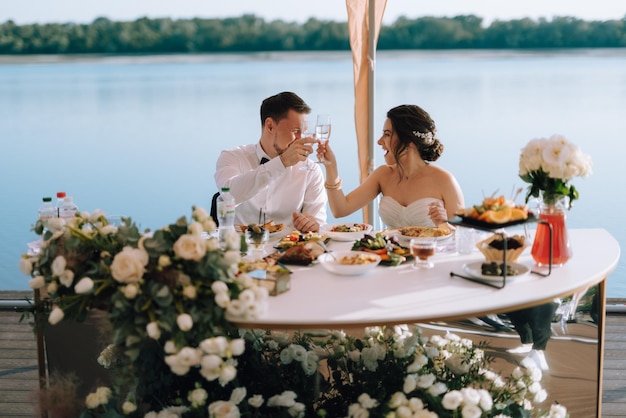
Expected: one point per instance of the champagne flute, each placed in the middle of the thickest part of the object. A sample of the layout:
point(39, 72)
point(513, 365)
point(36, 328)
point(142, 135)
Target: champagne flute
point(422, 249)
point(308, 129)
point(322, 132)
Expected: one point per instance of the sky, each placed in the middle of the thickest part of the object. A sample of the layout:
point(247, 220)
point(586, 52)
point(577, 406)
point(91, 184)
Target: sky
point(85, 11)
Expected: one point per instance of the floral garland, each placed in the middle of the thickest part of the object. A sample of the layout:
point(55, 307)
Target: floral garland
point(174, 353)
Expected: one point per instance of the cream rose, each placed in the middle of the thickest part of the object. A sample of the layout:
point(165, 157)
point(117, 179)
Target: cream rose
point(129, 265)
point(190, 247)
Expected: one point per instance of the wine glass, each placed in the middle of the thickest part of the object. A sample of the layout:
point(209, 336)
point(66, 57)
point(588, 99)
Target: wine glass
point(322, 131)
point(308, 129)
point(422, 249)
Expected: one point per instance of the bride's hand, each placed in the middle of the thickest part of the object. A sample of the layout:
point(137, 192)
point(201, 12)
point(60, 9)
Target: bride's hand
point(324, 150)
point(437, 213)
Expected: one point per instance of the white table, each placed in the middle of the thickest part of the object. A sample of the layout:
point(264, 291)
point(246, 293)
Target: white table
point(397, 295)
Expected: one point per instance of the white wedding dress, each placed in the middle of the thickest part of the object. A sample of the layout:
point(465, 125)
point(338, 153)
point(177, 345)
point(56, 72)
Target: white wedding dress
point(395, 215)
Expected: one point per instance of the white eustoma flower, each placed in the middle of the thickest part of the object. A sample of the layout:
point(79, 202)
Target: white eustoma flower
point(197, 397)
point(37, 282)
point(452, 400)
point(210, 366)
point(219, 287)
point(256, 401)
point(416, 404)
point(84, 286)
point(410, 383)
point(108, 229)
point(215, 345)
point(58, 265)
point(153, 330)
point(297, 410)
point(190, 247)
point(298, 352)
point(52, 287)
point(238, 395)
point(285, 356)
point(404, 412)
point(418, 362)
point(130, 291)
point(237, 346)
point(470, 396)
point(310, 363)
point(246, 297)
point(128, 407)
point(184, 322)
point(190, 292)
point(397, 399)
point(540, 396)
point(558, 411)
point(222, 300)
point(426, 380)
point(56, 315)
point(486, 401)
point(235, 308)
point(66, 278)
point(26, 267)
point(195, 228)
point(437, 389)
point(227, 373)
point(287, 398)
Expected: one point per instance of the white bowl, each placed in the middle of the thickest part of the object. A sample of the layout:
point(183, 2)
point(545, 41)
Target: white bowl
point(334, 265)
point(345, 236)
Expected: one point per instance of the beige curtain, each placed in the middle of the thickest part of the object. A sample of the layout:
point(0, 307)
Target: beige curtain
point(364, 21)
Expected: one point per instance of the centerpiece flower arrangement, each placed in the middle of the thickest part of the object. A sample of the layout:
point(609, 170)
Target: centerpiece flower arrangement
point(548, 164)
point(171, 298)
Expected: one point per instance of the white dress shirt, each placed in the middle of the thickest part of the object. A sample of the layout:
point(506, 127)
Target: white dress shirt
point(270, 187)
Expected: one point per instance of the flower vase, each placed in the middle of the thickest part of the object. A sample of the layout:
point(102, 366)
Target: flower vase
point(554, 213)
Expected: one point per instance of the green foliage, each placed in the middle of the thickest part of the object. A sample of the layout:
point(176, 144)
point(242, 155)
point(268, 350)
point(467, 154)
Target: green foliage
point(249, 33)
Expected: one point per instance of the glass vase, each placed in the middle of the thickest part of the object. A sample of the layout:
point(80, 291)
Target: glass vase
point(553, 212)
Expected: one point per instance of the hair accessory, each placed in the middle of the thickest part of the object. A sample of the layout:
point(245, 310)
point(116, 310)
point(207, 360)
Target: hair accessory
point(427, 137)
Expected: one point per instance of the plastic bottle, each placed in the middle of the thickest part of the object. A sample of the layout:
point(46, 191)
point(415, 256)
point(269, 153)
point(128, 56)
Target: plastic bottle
point(47, 211)
point(225, 215)
point(68, 209)
point(60, 197)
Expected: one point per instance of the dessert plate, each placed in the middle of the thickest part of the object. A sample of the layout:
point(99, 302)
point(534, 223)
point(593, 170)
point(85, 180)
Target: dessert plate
point(474, 270)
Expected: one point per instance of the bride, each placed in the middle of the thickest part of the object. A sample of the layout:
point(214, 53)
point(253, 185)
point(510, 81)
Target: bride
point(414, 191)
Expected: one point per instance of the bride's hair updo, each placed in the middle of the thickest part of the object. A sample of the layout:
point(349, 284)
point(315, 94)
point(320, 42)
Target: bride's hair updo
point(412, 124)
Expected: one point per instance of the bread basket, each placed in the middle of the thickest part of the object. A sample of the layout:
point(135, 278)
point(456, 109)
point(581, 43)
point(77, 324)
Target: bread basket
point(495, 254)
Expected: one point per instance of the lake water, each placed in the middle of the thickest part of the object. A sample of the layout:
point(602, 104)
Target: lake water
point(139, 136)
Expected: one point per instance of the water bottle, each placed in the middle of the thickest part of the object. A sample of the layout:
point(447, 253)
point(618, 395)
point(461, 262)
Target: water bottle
point(60, 197)
point(47, 211)
point(225, 216)
point(68, 209)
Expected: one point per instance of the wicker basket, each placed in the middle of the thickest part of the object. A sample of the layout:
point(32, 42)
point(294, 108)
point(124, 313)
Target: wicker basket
point(494, 254)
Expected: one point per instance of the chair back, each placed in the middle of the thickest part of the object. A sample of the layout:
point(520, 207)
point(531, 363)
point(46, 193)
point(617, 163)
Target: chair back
point(213, 212)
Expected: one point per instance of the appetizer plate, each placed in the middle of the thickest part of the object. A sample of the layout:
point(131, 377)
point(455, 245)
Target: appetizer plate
point(417, 232)
point(474, 270)
point(346, 231)
point(349, 263)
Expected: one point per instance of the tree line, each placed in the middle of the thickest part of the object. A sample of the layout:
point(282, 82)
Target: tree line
point(250, 33)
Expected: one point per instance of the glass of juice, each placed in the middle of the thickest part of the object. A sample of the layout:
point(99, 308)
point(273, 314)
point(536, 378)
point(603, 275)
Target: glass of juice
point(422, 249)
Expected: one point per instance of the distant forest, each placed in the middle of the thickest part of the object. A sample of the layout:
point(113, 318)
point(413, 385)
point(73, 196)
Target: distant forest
point(250, 33)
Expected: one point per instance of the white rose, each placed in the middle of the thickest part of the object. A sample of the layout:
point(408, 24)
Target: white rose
point(129, 265)
point(91, 402)
point(246, 297)
point(223, 409)
point(297, 410)
point(287, 398)
point(437, 389)
point(153, 330)
point(58, 265)
point(190, 247)
point(211, 244)
point(470, 396)
point(199, 214)
point(416, 404)
point(404, 412)
point(26, 267)
point(177, 366)
point(558, 411)
point(235, 308)
point(397, 399)
point(37, 282)
point(184, 322)
point(215, 345)
point(84, 286)
point(256, 401)
point(426, 380)
point(486, 401)
point(310, 363)
point(189, 356)
point(56, 315)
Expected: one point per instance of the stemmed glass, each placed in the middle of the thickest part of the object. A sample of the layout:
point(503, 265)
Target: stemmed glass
point(322, 132)
point(308, 129)
point(422, 249)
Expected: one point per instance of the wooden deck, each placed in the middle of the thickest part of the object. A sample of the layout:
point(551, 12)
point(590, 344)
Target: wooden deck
point(19, 371)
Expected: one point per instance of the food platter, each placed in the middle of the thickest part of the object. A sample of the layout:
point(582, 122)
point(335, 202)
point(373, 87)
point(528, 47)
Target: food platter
point(475, 270)
point(298, 238)
point(349, 263)
point(346, 231)
point(405, 234)
point(475, 223)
